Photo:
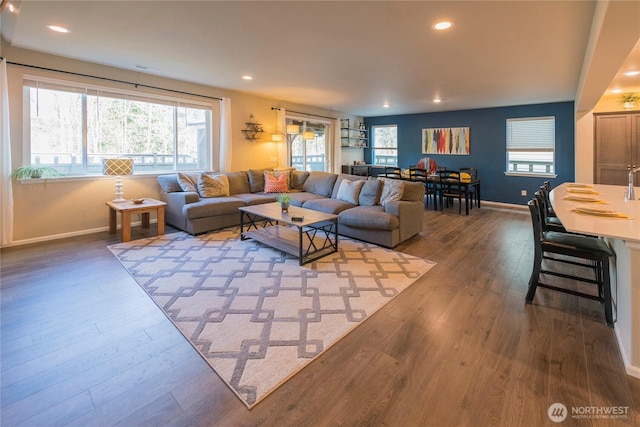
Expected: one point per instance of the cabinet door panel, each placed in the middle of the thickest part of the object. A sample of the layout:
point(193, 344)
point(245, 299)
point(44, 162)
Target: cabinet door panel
point(614, 148)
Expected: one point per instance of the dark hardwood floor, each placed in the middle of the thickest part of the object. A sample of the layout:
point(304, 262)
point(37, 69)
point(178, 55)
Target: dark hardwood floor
point(82, 345)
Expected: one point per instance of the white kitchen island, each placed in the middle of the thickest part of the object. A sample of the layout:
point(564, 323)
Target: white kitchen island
point(623, 236)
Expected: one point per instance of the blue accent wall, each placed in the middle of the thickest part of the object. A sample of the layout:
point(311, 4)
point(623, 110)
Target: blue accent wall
point(487, 130)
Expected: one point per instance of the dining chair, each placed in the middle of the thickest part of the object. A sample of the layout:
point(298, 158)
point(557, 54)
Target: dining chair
point(450, 188)
point(583, 252)
point(473, 174)
point(392, 172)
point(422, 175)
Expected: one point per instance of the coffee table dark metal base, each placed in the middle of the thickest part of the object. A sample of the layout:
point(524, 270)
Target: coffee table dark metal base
point(314, 237)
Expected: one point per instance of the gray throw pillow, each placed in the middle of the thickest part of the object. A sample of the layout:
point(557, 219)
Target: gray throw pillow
point(188, 181)
point(256, 179)
point(298, 178)
point(370, 193)
point(169, 183)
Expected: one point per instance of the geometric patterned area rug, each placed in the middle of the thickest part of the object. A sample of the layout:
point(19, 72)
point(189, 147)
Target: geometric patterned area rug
point(253, 313)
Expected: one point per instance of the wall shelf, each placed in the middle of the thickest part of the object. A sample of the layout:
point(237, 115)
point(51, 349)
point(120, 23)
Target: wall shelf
point(353, 137)
point(253, 130)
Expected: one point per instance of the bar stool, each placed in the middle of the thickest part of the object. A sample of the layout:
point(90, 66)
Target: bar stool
point(594, 251)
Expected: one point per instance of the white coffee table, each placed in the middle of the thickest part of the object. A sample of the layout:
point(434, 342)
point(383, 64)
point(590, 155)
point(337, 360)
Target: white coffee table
point(312, 238)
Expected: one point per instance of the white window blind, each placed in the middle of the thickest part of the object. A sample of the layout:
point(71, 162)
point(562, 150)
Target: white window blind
point(531, 143)
point(531, 134)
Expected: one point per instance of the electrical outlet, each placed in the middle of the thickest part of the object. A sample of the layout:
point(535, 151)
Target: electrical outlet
point(523, 192)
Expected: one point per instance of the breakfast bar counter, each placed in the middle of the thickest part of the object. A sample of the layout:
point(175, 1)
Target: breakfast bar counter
point(601, 210)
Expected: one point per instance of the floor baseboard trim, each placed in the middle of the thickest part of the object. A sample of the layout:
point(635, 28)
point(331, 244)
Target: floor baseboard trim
point(66, 235)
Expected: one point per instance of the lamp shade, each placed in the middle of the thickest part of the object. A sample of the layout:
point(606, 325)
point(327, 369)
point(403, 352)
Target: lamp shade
point(307, 134)
point(293, 128)
point(117, 167)
point(276, 137)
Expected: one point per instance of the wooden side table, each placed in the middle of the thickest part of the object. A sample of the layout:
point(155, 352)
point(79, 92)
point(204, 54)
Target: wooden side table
point(127, 208)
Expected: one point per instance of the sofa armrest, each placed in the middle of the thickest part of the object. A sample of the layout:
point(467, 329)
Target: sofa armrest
point(410, 215)
point(175, 205)
point(181, 198)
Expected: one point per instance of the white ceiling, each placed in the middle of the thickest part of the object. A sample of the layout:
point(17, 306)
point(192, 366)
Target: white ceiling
point(347, 56)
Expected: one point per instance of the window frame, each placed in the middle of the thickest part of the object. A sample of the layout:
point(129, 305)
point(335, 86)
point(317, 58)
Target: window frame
point(543, 148)
point(374, 148)
point(38, 82)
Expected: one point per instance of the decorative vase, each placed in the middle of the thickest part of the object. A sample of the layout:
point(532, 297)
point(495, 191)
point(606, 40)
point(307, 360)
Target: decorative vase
point(629, 105)
point(284, 206)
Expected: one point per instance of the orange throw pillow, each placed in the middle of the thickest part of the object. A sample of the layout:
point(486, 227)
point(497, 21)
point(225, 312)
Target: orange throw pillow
point(275, 184)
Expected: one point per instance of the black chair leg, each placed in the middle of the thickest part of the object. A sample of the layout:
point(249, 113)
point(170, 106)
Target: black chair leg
point(535, 277)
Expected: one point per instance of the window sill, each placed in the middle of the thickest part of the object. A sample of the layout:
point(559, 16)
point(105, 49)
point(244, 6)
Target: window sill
point(65, 179)
point(532, 174)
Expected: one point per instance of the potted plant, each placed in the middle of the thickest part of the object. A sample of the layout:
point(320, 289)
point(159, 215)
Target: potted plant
point(629, 100)
point(34, 172)
point(284, 199)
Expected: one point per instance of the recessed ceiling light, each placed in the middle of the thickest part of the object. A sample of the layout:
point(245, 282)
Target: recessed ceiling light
point(616, 90)
point(437, 100)
point(443, 25)
point(631, 73)
point(57, 29)
point(11, 7)
point(385, 105)
point(247, 77)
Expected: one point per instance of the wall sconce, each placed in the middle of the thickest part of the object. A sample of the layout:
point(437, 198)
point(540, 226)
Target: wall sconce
point(307, 134)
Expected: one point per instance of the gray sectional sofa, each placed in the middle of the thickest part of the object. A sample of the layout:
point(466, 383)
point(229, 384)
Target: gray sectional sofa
point(362, 214)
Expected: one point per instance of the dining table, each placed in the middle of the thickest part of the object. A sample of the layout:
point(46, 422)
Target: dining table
point(433, 184)
point(605, 211)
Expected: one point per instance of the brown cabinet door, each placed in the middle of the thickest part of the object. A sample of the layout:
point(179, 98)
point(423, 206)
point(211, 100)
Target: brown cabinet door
point(614, 148)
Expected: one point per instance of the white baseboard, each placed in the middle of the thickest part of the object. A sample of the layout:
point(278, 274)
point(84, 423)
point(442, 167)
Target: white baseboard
point(65, 235)
point(631, 370)
point(501, 205)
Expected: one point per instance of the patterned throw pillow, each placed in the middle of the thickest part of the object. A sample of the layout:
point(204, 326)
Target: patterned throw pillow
point(392, 190)
point(213, 185)
point(275, 183)
point(349, 190)
point(188, 182)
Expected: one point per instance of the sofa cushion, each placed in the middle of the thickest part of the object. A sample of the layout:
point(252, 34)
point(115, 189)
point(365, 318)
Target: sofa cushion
point(370, 193)
point(392, 190)
point(238, 182)
point(320, 183)
point(349, 191)
point(256, 198)
point(299, 198)
point(372, 217)
point(169, 183)
point(327, 205)
point(212, 207)
point(413, 192)
point(213, 185)
point(275, 183)
point(188, 181)
point(256, 179)
point(298, 178)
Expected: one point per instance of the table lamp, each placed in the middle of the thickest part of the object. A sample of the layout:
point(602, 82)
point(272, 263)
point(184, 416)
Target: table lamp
point(118, 168)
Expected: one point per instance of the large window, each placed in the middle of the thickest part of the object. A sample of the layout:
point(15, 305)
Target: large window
point(531, 145)
point(73, 128)
point(308, 146)
point(385, 145)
